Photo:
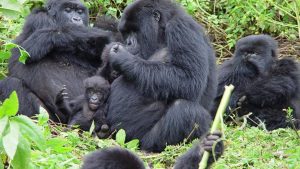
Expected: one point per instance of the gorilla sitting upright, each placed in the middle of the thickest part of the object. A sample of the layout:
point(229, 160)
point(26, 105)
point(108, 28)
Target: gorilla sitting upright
point(161, 102)
point(63, 51)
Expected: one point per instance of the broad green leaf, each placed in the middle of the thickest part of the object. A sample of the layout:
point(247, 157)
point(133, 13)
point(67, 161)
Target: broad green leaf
point(92, 128)
point(59, 145)
point(121, 136)
point(9, 13)
point(11, 140)
point(43, 116)
point(10, 46)
point(4, 55)
point(10, 106)
point(30, 130)
point(133, 144)
point(23, 56)
point(3, 124)
point(22, 157)
point(11, 4)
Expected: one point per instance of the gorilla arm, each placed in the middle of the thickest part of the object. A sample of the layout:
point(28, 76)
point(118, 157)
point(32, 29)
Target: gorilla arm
point(69, 38)
point(186, 74)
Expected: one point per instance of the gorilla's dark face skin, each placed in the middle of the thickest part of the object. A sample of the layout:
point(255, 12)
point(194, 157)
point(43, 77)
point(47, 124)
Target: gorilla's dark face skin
point(68, 12)
point(143, 31)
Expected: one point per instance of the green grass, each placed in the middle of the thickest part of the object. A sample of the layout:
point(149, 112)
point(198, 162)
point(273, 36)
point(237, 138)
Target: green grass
point(250, 147)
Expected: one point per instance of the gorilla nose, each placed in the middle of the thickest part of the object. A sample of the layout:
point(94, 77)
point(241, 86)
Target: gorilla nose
point(77, 20)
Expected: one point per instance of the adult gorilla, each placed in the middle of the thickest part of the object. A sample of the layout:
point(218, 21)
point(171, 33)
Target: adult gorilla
point(63, 51)
point(161, 102)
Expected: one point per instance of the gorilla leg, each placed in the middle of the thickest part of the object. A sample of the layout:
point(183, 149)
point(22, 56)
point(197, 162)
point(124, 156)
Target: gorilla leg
point(29, 103)
point(183, 119)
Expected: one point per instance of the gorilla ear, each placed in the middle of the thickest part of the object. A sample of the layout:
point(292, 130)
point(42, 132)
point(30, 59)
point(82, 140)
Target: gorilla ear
point(156, 15)
point(274, 53)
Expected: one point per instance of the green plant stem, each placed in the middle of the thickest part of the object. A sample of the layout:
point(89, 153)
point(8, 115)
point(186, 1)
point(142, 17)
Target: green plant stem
point(222, 107)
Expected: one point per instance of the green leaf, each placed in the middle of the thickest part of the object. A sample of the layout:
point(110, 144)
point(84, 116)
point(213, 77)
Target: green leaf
point(4, 55)
point(23, 56)
point(10, 106)
point(30, 130)
point(11, 140)
point(22, 157)
point(3, 124)
point(43, 116)
point(10, 46)
point(121, 136)
point(133, 144)
point(12, 14)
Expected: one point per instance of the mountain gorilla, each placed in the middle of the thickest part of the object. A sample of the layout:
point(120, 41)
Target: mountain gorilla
point(63, 51)
point(116, 158)
point(161, 102)
point(263, 84)
point(91, 106)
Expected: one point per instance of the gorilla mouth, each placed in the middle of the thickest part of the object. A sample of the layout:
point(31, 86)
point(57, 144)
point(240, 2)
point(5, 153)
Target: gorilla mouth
point(93, 106)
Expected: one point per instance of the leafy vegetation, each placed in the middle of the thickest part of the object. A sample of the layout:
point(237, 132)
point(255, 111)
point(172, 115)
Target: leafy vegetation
point(53, 146)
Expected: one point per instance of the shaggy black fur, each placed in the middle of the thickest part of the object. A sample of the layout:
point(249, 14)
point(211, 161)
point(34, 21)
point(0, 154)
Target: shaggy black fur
point(263, 84)
point(161, 100)
point(63, 51)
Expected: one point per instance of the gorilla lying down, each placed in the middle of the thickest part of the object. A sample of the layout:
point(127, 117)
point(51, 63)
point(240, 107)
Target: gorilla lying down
point(264, 85)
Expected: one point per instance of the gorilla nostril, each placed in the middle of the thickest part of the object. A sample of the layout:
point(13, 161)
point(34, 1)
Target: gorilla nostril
point(115, 48)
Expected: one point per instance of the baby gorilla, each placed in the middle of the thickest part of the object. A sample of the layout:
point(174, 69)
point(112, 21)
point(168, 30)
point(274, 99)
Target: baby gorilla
point(116, 158)
point(88, 107)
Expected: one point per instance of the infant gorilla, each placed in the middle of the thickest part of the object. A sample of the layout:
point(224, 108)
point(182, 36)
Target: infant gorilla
point(88, 107)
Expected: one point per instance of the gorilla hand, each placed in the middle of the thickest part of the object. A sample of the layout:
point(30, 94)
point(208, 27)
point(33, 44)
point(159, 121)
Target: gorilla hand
point(118, 56)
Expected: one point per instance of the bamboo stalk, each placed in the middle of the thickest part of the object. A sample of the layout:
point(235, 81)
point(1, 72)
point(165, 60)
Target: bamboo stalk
point(220, 112)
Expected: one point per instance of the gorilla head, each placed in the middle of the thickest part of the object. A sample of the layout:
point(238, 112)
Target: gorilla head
point(256, 52)
point(68, 11)
point(145, 29)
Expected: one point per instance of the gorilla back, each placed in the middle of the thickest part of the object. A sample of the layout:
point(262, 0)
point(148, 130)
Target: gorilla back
point(161, 102)
point(63, 51)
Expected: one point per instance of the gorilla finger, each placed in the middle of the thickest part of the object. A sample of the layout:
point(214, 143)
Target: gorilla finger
point(104, 128)
point(208, 148)
point(212, 137)
point(242, 99)
point(217, 133)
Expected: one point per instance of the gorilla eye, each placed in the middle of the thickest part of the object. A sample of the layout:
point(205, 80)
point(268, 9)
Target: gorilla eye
point(80, 11)
point(156, 15)
point(68, 9)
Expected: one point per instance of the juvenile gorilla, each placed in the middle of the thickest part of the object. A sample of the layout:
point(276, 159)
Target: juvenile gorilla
point(263, 84)
point(88, 107)
point(63, 51)
point(115, 158)
point(161, 102)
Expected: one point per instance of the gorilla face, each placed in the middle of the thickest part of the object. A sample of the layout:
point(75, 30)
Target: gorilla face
point(142, 27)
point(255, 53)
point(68, 11)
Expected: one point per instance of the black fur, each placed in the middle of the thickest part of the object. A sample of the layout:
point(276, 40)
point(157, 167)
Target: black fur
point(161, 101)
point(116, 158)
point(263, 84)
point(63, 51)
point(89, 107)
